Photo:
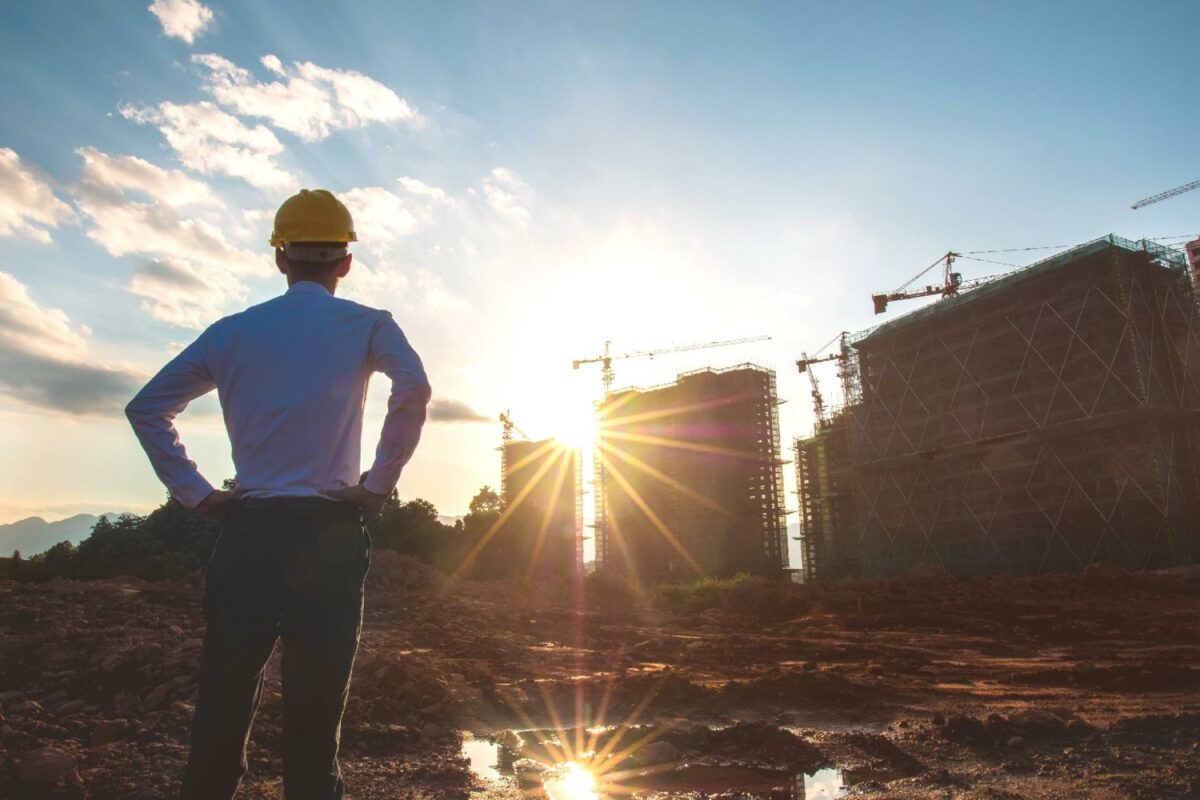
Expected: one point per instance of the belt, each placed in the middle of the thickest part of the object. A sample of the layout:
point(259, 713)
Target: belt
point(301, 503)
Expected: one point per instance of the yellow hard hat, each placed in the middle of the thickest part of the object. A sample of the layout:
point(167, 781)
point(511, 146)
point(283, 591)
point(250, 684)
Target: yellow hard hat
point(312, 215)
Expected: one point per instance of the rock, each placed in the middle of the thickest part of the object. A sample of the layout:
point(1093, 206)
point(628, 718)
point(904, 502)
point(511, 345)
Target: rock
point(127, 704)
point(529, 772)
point(656, 753)
point(50, 766)
point(155, 698)
point(28, 707)
point(67, 707)
point(108, 731)
point(512, 740)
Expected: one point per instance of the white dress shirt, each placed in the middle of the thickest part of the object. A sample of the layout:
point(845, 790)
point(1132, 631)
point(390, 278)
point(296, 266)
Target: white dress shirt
point(291, 374)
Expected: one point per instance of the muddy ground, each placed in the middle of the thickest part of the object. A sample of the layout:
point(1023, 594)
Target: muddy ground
point(924, 687)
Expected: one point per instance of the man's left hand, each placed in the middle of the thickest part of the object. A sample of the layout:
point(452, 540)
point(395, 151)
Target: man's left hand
point(370, 503)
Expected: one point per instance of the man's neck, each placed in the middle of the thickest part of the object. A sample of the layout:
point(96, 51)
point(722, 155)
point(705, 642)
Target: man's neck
point(330, 284)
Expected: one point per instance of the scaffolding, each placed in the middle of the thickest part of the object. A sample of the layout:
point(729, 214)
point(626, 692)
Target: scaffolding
point(692, 480)
point(1041, 422)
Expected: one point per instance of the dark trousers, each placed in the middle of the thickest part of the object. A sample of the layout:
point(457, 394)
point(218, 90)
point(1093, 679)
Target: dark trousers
point(290, 569)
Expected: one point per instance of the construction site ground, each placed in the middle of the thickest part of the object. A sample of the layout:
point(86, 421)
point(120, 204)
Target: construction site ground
point(922, 687)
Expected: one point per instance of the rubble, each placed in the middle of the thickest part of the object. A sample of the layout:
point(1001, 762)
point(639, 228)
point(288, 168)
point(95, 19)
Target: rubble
point(910, 685)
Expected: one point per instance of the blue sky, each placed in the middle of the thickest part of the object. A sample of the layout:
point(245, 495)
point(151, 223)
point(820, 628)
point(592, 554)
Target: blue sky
point(531, 179)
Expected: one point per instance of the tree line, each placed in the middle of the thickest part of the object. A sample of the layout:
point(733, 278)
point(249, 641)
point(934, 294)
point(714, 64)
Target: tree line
point(173, 540)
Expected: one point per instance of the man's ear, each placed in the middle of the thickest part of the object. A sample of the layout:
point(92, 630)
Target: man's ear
point(344, 267)
point(281, 261)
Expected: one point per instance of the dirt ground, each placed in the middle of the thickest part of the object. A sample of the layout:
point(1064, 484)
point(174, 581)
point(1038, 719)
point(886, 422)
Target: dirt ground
point(923, 687)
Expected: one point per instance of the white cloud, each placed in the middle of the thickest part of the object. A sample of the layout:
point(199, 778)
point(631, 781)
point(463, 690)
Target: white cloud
point(181, 293)
point(43, 361)
point(28, 205)
point(118, 174)
point(311, 101)
point(507, 196)
point(381, 216)
point(416, 187)
point(183, 19)
point(210, 141)
point(195, 275)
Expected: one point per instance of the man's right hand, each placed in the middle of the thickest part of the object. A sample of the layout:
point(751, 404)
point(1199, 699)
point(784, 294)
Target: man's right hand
point(370, 503)
point(217, 504)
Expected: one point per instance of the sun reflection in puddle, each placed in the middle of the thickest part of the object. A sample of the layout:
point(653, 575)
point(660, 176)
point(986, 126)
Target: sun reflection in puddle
point(573, 780)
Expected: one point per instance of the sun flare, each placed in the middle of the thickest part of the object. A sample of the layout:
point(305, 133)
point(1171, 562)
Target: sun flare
point(574, 782)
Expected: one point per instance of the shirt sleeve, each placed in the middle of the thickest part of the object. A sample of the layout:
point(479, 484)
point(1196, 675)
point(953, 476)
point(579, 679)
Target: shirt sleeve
point(152, 413)
point(392, 355)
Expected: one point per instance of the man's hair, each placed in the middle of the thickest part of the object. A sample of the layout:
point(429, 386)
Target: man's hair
point(314, 270)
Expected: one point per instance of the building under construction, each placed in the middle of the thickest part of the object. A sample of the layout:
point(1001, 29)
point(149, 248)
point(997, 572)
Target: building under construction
point(1041, 422)
point(690, 478)
point(542, 530)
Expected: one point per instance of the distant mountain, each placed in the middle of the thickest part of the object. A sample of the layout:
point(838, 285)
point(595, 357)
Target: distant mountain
point(35, 535)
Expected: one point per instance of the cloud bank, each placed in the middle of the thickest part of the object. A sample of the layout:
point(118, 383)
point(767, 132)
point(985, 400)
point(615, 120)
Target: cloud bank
point(28, 205)
point(43, 361)
point(443, 409)
point(308, 100)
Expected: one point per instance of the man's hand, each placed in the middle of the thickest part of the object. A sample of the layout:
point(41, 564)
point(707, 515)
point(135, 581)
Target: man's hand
point(217, 504)
point(370, 503)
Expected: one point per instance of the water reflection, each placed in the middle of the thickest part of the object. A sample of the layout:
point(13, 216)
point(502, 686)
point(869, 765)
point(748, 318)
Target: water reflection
point(509, 759)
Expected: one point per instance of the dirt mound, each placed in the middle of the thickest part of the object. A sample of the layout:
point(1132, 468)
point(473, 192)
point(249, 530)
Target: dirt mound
point(393, 572)
point(1141, 677)
point(751, 744)
point(1014, 730)
point(806, 689)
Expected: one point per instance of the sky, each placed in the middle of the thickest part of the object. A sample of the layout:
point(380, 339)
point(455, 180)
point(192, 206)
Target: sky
point(530, 180)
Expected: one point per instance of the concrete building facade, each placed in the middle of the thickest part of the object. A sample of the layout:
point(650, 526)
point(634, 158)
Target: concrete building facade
point(690, 478)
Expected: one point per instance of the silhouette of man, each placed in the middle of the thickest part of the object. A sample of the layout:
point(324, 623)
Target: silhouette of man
point(291, 374)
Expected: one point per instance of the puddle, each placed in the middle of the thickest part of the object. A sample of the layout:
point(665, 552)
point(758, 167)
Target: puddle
point(534, 769)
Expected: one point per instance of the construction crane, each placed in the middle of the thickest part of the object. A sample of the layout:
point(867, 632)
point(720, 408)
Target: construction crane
point(818, 400)
point(606, 358)
point(952, 284)
point(509, 426)
point(1154, 198)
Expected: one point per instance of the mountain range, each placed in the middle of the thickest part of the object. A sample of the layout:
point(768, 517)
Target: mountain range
point(34, 535)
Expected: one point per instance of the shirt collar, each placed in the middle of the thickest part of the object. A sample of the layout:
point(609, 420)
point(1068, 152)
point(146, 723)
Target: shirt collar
point(308, 287)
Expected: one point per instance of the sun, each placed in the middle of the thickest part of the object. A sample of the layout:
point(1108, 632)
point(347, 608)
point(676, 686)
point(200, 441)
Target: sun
point(576, 429)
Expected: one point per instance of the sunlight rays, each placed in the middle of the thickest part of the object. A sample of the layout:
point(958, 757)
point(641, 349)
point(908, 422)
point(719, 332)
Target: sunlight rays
point(650, 514)
point(578, 770)
point(509, 510)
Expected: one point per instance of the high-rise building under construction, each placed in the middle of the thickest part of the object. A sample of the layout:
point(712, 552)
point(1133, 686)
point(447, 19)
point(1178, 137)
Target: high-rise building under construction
point(690, 478)
point(542, 528)
point(1041, 422)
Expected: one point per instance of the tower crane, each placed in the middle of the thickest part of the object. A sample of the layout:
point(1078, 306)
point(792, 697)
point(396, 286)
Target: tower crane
point(952, 284)
point(1154, 198)
point(606, 358)
point(804, 365)
point(509, 426)
point(951, 281)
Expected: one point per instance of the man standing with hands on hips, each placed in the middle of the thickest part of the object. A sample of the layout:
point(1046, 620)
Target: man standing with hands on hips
point(291, 375)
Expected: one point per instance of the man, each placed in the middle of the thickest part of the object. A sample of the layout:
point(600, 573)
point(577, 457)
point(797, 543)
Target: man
point(290, 562)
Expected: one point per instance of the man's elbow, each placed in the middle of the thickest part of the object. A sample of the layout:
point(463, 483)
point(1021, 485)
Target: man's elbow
point(136, 411)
